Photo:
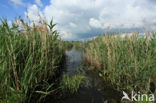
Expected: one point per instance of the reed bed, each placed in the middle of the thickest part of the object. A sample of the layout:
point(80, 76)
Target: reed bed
point(30, 62)
point(68, 45)
point(127, 63)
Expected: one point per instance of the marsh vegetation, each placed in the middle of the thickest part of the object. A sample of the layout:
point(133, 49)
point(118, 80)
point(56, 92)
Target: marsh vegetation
point(127, 63)
point(36, 66)
point(31, 63)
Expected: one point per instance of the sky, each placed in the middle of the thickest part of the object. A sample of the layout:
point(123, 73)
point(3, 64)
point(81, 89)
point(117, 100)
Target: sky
point(84, 19)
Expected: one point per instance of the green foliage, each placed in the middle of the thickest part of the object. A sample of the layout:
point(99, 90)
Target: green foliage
point(29, 59)
point(67, 45)
point(127, 64)
point(78, 45)
point(72, 84)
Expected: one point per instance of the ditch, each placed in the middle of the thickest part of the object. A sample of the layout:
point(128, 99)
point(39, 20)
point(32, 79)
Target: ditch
point(96, 91)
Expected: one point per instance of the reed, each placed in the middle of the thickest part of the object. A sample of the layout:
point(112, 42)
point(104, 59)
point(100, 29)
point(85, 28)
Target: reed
point(30, 61)
point(72, 84)
point(126, 63)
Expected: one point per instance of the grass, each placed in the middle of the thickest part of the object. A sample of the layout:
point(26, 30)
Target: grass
point(125, 63)
point(78, 45)
point(67, 45)
point(71, 85)
point(30, 61)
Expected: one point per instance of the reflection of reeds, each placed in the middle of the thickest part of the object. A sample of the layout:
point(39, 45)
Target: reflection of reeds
point(127, 63)
point(29, 61)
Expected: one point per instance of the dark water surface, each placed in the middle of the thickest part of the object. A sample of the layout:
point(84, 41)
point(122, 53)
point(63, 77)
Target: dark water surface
point(97, 92)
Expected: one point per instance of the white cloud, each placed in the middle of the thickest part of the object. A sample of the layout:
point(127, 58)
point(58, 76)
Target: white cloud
point(10, 23)
point(34, 14)
point(67, 35)
point(17, 2)
point(95, 23)
point(39, 2)
point(72, 25)
point(80, 17)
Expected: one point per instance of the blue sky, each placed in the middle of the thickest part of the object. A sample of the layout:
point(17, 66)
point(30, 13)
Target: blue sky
point(14, 8)
point(83, 19)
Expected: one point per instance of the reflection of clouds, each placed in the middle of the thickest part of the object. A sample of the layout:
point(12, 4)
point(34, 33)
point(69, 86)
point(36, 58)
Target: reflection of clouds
point(73, 60)
point(74, 55)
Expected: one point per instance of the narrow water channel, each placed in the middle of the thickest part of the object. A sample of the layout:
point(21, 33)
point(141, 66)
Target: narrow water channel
point(74, 60)
point(97, 92)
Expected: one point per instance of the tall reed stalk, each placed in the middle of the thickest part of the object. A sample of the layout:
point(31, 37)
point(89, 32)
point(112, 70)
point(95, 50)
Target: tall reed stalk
point(30, 60)
point(126, 63)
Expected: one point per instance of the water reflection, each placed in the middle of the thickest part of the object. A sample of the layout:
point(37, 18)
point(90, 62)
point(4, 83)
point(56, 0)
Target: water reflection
point(97, 92)
point(74, 59)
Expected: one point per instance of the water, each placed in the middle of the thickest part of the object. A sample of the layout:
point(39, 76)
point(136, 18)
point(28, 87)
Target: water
point(97, 92)
point(74, 60)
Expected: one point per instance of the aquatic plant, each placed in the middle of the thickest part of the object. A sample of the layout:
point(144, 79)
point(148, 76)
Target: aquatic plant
point(30, 61)
point(126, 63)
point(72, 84)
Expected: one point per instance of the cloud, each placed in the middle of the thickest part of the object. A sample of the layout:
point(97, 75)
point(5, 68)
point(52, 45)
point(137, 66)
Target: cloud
point(72, 25)
point(17, 2)
point(39, 2)
point(95, 23)
point(67, 35)
point(78, 18)
point(10, 23)
point(33, 13)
